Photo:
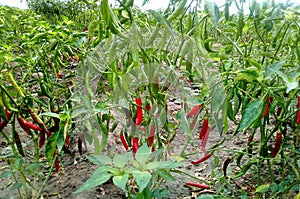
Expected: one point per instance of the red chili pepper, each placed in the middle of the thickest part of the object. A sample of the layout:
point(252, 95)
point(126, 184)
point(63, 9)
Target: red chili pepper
point(277, 145)
point(151, 135)
point(148, 107)
point(42, 138)
point(202, 159)
point(204, 128)
point(139, 111)
point(204, 141)
point(269, 100)
point(67, 141)
point(27, 124)
point(202, 186)
point(298, 112)
point(135, 145)
point(4, 123)
point(124, 142)
point(279, 111)
point(166, 87)
point(194, 111)
point(56, 163)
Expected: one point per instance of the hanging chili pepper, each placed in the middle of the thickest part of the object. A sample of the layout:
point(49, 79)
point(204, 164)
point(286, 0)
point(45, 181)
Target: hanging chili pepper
point(37, 119)
point(201, 159)
point(204, 141)
point(269, 100)
point(194, 111)
point(24, 123)
point(204, 128)
point(151, 135)
point(139, 111)
point(135, 145)
point(202, 186)
point(79, 144)
point(277, 145)
point(18, 142)
point(298, 112)
point(123, 140)
point(148, 107)
point(67, 140)
point(225, 165)
point(42, 139)
point(279, 111)
point(56, 163)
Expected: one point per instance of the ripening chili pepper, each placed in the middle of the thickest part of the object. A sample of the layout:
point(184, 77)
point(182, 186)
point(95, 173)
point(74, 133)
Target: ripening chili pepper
point(139, 111)
point(24, 123)
point(5, 122)
point(204, 128)
point(135, 145)
point(37, 119)
point(298, 112)
point(277, 145)
point(194, 111)
point(202, 186)
point(201, 159)
point(124, 142)
point(269, 100)
point(151, 135)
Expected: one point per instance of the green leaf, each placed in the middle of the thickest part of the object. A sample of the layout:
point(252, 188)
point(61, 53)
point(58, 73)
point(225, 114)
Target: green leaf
point(99, 177)
point(51, 146)
point(250, 114)
point(250, 74)
point(184, 126)
point(165, 174)
point(163, 164)
point(100, 159)
point(262, 188)
point(143, 154)
point(121, 181)
point(217, 98)
point(206, 196)
point(274, 68)
point(121, 160)
point(142, 179)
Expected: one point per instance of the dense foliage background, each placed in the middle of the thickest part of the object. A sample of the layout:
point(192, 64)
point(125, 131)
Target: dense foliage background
point(86, 70)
